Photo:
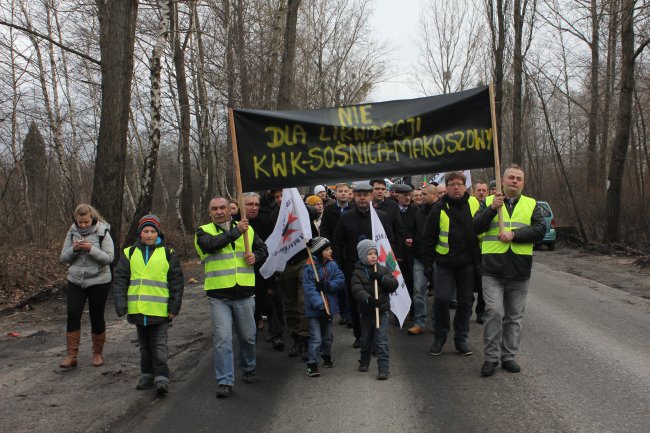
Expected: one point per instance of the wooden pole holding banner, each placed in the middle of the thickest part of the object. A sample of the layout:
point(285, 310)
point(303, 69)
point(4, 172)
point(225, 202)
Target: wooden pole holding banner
point(376, 297)
point(322, 295)
point(240, 192)
point(495, 146)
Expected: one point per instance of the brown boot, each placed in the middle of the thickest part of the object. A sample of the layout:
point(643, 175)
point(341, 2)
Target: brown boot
point(98, 347)
point(72, 340)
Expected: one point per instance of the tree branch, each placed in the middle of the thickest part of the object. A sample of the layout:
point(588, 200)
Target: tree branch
point(47, 38)
point(641, 47)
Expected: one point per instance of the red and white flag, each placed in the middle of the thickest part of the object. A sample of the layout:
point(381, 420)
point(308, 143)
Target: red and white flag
point(292, 231)
point(400, 301)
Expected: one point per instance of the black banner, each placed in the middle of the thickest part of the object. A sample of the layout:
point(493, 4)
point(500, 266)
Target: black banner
point(280, 149)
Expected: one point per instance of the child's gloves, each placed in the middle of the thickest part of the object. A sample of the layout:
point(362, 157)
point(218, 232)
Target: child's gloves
point(324, 315)
point(320, 286)
point(373, 303)
point(374, 275)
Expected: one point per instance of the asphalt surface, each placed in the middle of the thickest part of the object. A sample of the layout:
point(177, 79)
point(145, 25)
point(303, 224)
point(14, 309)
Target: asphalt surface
point(585, 358)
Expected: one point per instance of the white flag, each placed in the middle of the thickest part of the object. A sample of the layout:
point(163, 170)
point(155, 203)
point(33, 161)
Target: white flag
point(292, 231)
point(400, 301)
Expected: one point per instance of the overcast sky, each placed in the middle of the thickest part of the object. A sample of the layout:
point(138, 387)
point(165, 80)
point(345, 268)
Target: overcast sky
point(396, 22)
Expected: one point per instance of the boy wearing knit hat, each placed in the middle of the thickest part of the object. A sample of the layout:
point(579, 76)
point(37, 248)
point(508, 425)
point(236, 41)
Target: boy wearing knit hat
point(321, 279)
point(148, 287)
point(366, 273)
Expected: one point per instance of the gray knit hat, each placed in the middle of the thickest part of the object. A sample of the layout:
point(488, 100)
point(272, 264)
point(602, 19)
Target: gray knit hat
point(363, 248)
point(317, 245)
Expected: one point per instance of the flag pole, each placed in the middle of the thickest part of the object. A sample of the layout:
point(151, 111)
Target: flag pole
point(240, 192)
point(313, 265)
point(376, 297)
point(495, 141)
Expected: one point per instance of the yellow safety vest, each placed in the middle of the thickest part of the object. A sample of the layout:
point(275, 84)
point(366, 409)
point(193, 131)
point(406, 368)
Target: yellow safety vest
point(226, 267)
point(521, 217)
point(443, 236)
point(148, 292)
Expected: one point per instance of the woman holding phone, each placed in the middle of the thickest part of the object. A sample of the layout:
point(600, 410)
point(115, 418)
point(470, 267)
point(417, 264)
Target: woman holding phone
point(88, 248)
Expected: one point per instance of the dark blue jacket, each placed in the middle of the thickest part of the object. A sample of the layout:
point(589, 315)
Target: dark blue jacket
point(334, 282)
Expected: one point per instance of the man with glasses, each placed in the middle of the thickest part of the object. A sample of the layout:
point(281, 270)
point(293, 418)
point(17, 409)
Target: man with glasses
point(449, 240)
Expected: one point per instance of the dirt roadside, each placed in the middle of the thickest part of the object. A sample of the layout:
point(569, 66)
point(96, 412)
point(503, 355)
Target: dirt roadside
point(36, 396)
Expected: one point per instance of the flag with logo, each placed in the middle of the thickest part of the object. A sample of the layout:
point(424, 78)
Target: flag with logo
point(400, 301)
point(292, 231)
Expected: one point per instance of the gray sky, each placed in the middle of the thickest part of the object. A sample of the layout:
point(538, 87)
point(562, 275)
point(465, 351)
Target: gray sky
point(396, 22)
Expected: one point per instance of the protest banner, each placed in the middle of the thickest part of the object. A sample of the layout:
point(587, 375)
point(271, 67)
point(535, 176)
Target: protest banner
point(305, 147)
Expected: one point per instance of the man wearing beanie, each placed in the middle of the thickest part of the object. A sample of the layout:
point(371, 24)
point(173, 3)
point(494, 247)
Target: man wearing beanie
point(230, 287)
point(148, 287)
point(366, 273)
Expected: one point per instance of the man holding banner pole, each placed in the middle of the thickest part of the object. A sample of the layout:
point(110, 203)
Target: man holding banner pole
point(507, 260)
point(230, 287)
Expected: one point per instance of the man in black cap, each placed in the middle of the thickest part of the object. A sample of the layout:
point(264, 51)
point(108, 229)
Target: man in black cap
point(407, 212)
point(393, 216)
point(353, 226)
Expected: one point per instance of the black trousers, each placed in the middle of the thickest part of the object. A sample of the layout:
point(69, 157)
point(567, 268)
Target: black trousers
point(96, 296)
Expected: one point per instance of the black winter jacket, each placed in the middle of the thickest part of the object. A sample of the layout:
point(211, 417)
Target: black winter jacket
point(122, 279)
point(463, 244)
point(417, 228)
point(331, 214)
point(210, 244)
point(363, 288)
point(509, 264)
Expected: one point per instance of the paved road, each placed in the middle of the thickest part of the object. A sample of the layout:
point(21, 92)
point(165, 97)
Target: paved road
point(586, 368)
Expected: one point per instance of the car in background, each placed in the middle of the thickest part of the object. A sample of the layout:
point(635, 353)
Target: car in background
point(551, 235)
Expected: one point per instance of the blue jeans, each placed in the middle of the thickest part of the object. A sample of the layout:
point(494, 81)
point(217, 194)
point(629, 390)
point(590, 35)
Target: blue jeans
point(225, 314)
point(420, 293)
point(505, 304)
point(377, 338)
point(448, 279)
point(320, 338)
point(153, 351)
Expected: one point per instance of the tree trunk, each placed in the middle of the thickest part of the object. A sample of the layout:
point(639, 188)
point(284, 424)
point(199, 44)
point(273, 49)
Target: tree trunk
point(269, 69)
point(117, 21)
point(148, 180)
point(240, 41)
point(498, 34)
point(623, 122)
point(285, 92)
point(187, 196)
point(592, 146)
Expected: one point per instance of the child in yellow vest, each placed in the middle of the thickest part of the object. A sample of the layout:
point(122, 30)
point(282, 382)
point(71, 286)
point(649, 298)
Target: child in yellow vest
point(148, 287)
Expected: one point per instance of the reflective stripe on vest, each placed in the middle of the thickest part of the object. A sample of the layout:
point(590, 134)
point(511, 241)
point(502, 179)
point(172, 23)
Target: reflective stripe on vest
point(226, 267)
point(521, 217)
point(148, 292)
point(443, 236)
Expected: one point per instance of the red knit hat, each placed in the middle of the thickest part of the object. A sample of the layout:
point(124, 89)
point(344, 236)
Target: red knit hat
point(149, 220)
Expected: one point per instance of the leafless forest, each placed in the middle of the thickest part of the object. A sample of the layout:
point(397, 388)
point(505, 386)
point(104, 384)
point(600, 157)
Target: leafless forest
point(123, 103)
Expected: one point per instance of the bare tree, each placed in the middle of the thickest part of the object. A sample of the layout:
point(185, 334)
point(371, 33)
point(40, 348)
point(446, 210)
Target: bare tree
point(117, 21)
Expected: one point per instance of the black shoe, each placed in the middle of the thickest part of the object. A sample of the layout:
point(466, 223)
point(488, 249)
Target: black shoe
point(480, 319)
point(312, 369)
point(383, 375)
point(162, 388)
point(511, 366)
point(277, 343)
point(145, 382)
point(223, 391)
point(488, 368)
point(356, 344)
point(453, 305)
point(327, 361)
point(296, 349)
point(249, 376)
point(436, 347)
point(343, 321)
point(363, 367)
point(463, 349)
point(350, 324)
